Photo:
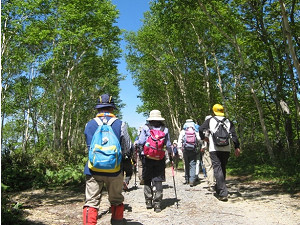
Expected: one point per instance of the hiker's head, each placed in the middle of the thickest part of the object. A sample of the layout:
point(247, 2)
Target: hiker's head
point(218, 110)
point(189, 123)
point(175, 142)
point(155, 118)
point(155, 115)
point(105, 102)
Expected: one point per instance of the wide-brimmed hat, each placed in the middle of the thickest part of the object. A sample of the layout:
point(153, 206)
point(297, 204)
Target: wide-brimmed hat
point(105, 101)
point(155, 115)
point(218, 110)
point(175, 142)
point(189, 121)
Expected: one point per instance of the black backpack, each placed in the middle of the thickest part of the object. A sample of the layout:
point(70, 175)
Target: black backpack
point(221, 137)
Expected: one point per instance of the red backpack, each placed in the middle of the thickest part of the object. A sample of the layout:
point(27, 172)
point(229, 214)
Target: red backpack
point(154, 145)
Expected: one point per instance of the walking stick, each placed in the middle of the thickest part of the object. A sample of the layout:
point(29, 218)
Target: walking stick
point(135, 166)
point(174, 184)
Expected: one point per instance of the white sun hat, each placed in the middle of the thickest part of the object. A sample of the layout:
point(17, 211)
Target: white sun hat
point(155, 115)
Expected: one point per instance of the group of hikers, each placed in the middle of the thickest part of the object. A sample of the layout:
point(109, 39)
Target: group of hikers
point(112, 154)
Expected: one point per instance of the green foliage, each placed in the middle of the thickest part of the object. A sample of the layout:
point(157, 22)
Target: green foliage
point(67, 175)
point(233, 53)
point(57, 58)
point(133, 132)
point(46, 169)
point(11, 213)
point(255, 162)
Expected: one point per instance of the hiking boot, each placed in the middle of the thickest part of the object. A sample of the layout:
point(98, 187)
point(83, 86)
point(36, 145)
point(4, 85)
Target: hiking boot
point(186, 182)
point(118, 222)
point(149, 204)
point(211, 189)
point(223, 198)
point(192, 184)
point(157, 208)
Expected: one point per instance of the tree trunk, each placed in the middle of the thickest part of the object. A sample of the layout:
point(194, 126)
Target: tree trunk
point(220, 81)
point(206, 74)
point(26, 135)
point(287, 30)
point(256, 100)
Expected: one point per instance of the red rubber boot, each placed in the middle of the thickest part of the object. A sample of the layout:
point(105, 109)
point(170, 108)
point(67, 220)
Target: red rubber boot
point(89, 215)
point(117, 214)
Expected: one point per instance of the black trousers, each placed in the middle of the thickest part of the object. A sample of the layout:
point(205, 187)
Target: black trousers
point(219, 161)
point(154, 175)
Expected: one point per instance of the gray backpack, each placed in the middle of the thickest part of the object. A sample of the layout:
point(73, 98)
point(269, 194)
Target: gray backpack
point(221, 137)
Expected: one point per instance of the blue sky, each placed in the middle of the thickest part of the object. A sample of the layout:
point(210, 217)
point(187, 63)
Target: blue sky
point(130, 19)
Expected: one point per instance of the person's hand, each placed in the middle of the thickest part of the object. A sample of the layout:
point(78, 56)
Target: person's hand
point(202, 150)
point(237, 152)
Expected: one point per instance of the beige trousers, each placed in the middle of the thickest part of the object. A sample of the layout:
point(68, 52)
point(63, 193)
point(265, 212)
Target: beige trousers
point(94, 187)
point(211, 181)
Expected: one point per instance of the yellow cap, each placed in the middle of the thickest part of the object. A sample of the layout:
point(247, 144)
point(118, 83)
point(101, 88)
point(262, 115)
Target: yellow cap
point(218, 110)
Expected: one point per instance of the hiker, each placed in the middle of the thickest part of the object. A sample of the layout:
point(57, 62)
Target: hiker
point(198, 158)
point(187, 141)
point(198, 165)
point(175, 154)
point(127, 162)
point(221, 130)
point(139, 155)
point(153, 138)
point(113, 179)
point(210, 178)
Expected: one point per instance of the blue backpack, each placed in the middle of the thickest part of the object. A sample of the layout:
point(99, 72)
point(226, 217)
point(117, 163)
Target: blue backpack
point(105, 152)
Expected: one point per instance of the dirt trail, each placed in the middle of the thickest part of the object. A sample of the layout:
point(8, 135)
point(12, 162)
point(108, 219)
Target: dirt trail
point(249, 203)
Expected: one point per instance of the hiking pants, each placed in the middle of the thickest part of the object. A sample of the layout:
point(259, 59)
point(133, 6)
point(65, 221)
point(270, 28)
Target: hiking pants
point(190, 158)
point(94, 186)
point(154, 174)
point(209, 169)
point(198, 164)
point(219, 161)
point(140, 168)
point(154, 194)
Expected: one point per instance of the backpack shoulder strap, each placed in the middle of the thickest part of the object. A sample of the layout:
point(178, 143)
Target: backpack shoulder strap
point(150, 127)
point(219, 121)
point(223, 121)
point(162, 128)
point(216, 119)
point(111, 120)
point(99, 121)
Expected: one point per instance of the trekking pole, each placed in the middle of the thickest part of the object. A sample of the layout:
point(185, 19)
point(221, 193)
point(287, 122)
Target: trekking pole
point(174, 184)
point(135, 166)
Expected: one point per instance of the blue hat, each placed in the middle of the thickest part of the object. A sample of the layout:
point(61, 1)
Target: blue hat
point(105, 101)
